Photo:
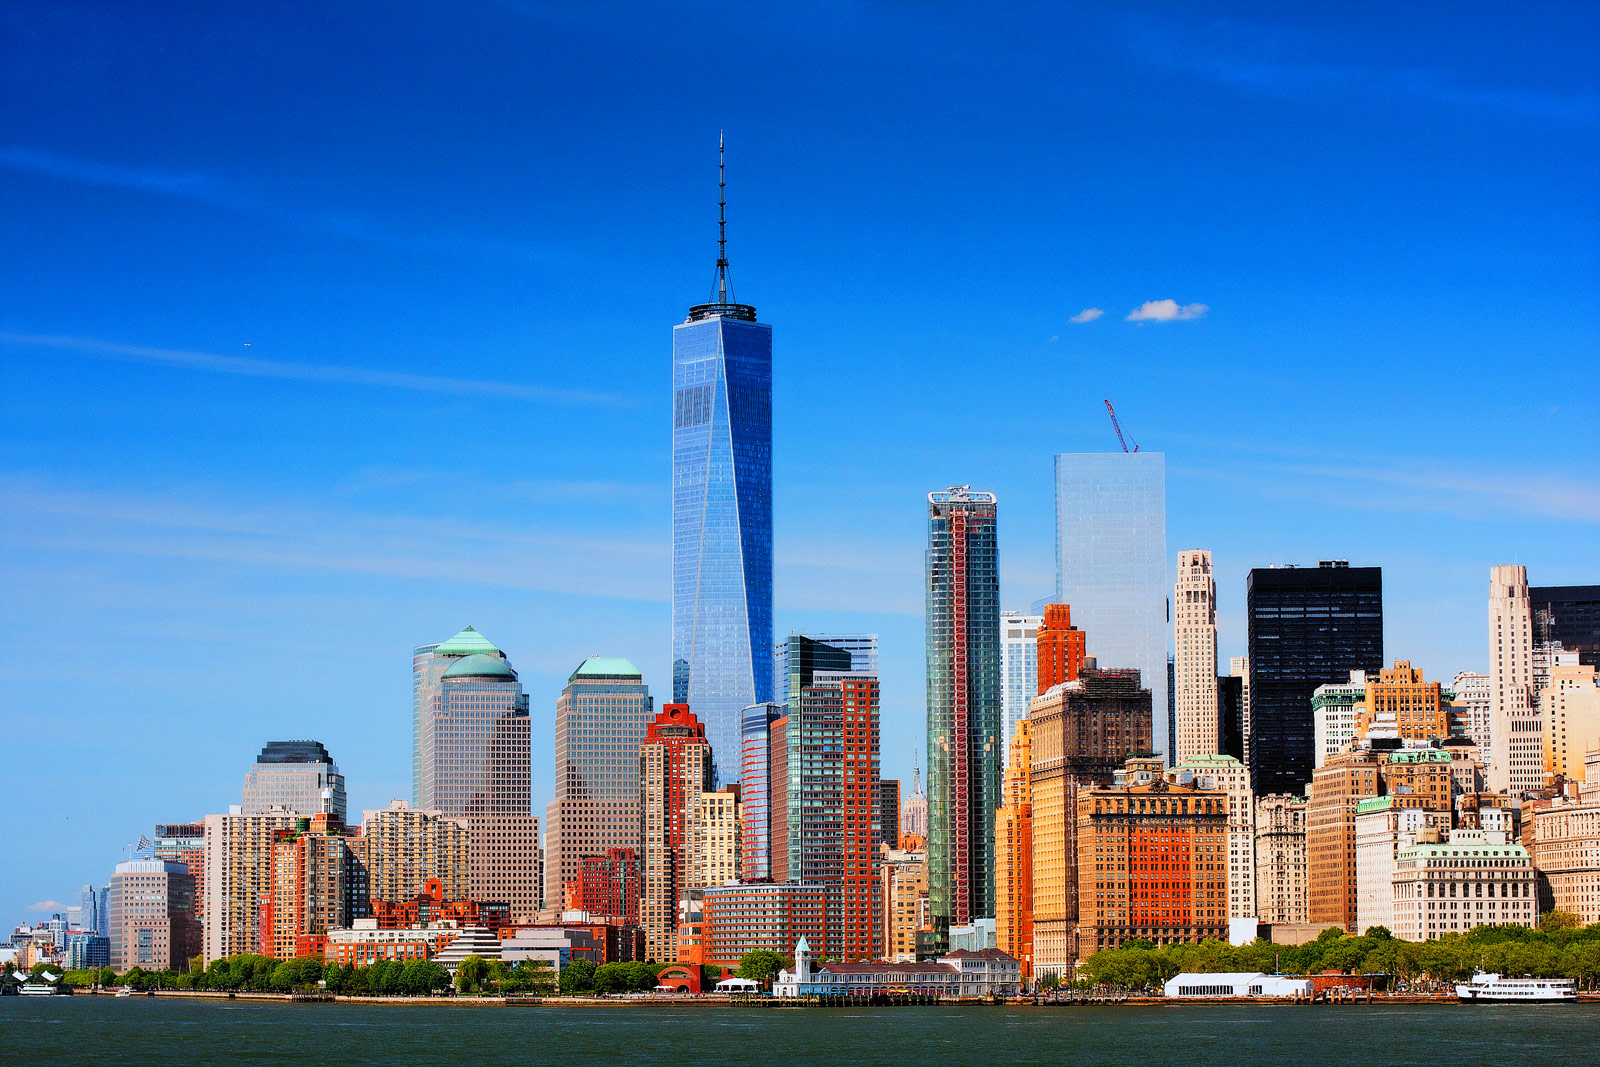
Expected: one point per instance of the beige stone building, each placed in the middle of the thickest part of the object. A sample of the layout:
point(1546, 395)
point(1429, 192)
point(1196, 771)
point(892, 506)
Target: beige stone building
point(1383, 828)
point(714, 839)
point(1566, 851)
point(674, 769)
point(1281, 878)
point(1401, 703)
point(1194, 658)
point(903, 897)
point(1446, 884)
point(1569, 719)
point(150, 921)
point(403, 847)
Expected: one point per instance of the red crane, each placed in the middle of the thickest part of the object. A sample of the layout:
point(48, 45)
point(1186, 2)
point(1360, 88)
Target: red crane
point(1117, 426)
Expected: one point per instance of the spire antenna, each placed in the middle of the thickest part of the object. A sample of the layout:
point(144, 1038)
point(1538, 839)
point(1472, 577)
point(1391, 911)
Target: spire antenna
point(722, 301)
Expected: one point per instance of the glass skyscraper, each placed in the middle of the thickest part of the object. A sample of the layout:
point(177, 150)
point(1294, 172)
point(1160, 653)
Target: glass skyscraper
point(963, 649)
point(1111, 563)
point(722, 517)
point(1019, 671)
point(298, 776)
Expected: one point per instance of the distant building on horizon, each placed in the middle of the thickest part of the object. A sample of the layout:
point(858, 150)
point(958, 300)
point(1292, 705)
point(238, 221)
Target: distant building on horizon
point(299, 776)
point(1111, 563)
point(1307, 626)
point(914, 812)
point(601, 718)
point(722, 515)
point(962, 623)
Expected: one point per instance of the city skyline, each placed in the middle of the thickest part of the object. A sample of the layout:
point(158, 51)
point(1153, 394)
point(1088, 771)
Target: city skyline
point(446, 428)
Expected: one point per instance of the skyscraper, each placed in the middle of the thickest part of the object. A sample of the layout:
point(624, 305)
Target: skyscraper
point(1515, 759)
point(1568, 615)
point(962, 621)
point(722, 512)
point(403, 848)
point(1307, 626)
point(1061, 648)
point(299, 776)
point(601, 716)
point(428, 663)
point(914, 815)
point(151, 920)
point(475, 749)
point(1194, 618)
point(1111, 562)
point(674, 769)
point(832, 736)
point(1019, 669)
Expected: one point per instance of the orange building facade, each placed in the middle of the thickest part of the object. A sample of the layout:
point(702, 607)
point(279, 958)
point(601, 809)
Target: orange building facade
point(1152, 861)
point(1060, 647)
point(1013, 845)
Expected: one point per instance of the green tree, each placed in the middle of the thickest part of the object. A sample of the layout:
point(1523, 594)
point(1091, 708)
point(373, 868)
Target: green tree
point(612, 978)
point(471, 974)
point(761, 965)
point(1557, 919)
point(577, 977)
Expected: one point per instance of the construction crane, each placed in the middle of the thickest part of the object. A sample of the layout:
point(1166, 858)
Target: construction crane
point(1117, 426)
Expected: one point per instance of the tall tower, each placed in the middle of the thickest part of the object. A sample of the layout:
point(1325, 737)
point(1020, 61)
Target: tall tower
point(1194, 616)
point(601, 717)
point(914, 816)
point(1515, 756)
point(1307, 626)
point(722, 511)
point(1111, 562)
point(428, 664)
point(962, 621)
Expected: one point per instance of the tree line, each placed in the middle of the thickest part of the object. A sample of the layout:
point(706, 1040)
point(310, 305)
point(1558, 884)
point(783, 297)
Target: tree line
point(1559, 949)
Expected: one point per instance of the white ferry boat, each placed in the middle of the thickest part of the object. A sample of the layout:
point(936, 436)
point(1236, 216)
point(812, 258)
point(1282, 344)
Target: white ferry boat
point(1498, 989)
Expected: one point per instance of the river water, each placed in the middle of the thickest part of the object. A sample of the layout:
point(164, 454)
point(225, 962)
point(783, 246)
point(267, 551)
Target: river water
point(166, 1031)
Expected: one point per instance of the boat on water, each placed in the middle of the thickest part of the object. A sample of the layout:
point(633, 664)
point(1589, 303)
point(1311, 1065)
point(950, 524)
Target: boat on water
point(1498, 989)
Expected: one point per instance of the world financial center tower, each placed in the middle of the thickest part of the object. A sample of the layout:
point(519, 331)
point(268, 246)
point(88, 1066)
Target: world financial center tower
point(722, 514)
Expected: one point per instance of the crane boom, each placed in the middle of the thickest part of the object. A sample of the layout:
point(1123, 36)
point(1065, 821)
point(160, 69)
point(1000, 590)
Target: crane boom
point(1117, 426)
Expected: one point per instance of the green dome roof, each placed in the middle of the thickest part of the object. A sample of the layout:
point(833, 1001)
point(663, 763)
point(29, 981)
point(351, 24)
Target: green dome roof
point(468, 642)
point(480, 666)
point(605, 667)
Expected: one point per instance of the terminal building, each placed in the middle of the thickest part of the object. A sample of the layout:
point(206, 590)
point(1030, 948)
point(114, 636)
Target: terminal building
point(1237, 984)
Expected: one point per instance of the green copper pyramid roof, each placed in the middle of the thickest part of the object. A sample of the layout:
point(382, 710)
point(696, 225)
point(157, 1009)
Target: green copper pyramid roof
point(604, 666)
point(468, 642)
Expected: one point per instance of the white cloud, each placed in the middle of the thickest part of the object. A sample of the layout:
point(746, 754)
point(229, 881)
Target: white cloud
point(1053, 338)
point(1087, 315)
point(1166, 311)
point(47, 905)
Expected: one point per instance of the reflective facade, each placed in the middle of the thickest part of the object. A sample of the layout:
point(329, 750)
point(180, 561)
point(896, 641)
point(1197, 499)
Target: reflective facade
point(1111, 561)
point(298, 776)
point(722, 521)
point(962, 620)
point(1019, 669)
point(428, 664)
point(760, 725)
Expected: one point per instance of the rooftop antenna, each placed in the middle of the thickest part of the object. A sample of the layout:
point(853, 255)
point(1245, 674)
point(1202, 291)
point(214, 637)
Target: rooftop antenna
point(722, 288)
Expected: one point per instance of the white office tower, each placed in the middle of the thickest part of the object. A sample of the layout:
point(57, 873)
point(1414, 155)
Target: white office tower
point(1515, 756)
point(1194, 658)
point(1473, 704)
point(1019, 670)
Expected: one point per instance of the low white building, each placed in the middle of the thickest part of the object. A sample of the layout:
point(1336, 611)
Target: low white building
point(1236, 984)
point(962, 973)
point(1449, 885)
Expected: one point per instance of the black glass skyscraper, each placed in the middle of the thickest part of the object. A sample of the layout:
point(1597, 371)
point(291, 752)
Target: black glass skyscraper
point(1569, 614)
point(1307, 627)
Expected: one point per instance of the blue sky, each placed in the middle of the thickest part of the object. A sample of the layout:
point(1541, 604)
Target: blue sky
point(330, 329)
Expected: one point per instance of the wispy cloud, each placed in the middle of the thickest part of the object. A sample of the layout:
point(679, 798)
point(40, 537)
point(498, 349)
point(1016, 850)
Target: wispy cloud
point(219, 193)
point(1475, 495)
point(1166, 311)
point(300, 535)
point(1087, 315)
point(1269, 61)
point(47, 905)
point(313, 372)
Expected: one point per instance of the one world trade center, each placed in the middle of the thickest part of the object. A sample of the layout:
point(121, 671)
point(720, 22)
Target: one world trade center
point(722, 511)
